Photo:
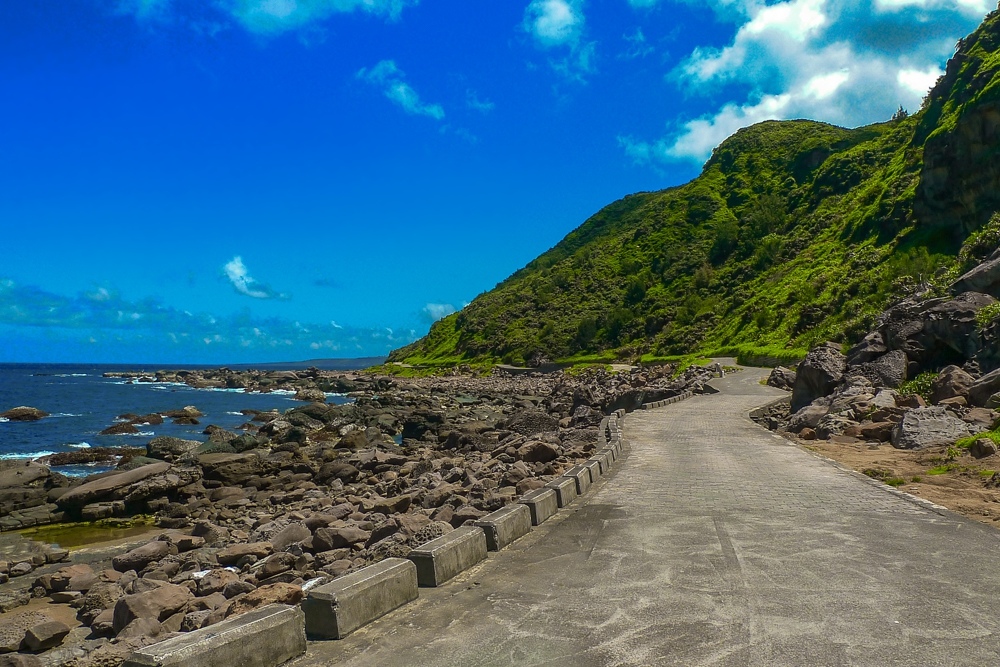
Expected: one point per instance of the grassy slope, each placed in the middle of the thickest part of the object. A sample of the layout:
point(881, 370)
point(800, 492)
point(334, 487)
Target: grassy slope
point(795, 232)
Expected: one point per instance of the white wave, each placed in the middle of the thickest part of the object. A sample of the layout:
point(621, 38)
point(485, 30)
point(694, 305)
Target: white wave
point(26, 455)
point(283, 392)
point(229, 390)
point(238, 414)
point(66, 414)
point(335, 394)
point(71, 375)
point(4, 419)
point(80, 445)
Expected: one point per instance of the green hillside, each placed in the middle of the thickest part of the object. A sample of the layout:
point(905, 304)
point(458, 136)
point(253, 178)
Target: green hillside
point(795, 232)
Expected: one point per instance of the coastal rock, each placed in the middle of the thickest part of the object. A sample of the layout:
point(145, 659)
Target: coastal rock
point(45, 635)
point(216, 581)
point(818, 374)
point(123, 428)
point(233, 553)
point(140, 557)
point(929, 427)
point(233, 469)
point(23, 413)
point(279, 593)
point(113, 485)
point(26, 484)
point(170, 449)
point(327, 539)
point(158, 604)
point(311, 395)
point(538, 452)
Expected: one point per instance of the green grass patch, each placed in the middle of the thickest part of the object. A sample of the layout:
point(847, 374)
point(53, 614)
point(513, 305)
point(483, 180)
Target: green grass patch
point(942, 469)
point(965, 443)
point(920, 385)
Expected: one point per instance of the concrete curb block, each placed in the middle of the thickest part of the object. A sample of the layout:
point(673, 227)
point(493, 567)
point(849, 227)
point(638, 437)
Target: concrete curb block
point(565, 488)
point(445, 557)
point(581, 476)
point(594, 467)
point(542, 503)
point(264, 637)
point(334, 610)
point(505, 525)
point(668, 401)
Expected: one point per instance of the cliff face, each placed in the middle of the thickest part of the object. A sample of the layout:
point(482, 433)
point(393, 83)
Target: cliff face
point(795, 232)
point(960, 181)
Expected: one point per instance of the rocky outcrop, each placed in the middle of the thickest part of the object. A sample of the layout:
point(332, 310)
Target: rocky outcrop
point(818, 374)
point(23, 413)
point(929, 427)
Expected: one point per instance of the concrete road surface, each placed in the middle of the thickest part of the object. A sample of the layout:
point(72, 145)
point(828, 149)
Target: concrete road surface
point(713, 543)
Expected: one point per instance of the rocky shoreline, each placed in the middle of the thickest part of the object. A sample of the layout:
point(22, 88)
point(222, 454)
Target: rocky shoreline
point(296, 499)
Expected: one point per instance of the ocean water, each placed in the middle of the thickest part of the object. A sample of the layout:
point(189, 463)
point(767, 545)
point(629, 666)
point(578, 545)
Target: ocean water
point(82, 403)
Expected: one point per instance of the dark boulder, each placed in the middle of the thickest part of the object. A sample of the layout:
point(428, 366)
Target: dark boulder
point(818, 374)
point(24, 413)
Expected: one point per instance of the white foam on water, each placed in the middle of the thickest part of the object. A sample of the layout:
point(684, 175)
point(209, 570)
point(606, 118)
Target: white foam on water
point(66, 414)
point(4, 419)
point(80, 445)
point(71, 375)
point(237, 414)
point(25, 455)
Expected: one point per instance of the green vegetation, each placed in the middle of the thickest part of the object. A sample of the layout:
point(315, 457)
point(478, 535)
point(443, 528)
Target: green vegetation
point(993, 435)
point(941, 469)
point(795, 232)
point(920, 385)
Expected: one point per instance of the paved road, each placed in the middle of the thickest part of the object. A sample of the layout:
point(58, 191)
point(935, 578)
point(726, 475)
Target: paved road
point(714, 543)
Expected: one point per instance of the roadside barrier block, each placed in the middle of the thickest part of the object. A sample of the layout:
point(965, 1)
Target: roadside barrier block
point(602, 463)
point(442, 558)
point(505, 525)
point(582, 478)
point(264, 637)
point(594, 467)
point(565, 488)
point(543, 503)
point(610, 452)
point(340, 607)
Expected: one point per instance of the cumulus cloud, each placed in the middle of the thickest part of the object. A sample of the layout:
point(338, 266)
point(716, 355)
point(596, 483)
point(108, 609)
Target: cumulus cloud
point(847, 62)
point(559, 26)
point(437, 311)
point(391, 80)
point(554, 22)
point(158, 328)
point(271, 17)
point(245, 284)
point(474, 102)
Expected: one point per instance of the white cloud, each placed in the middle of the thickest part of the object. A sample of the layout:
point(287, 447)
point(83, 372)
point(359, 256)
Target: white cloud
point(918, 81)
point(474, 102)
point(387, 76)
point(554, 22)
point(559, 25)
point(847, 62)
point(245, 284)
point(436, 311)
point(271, 17)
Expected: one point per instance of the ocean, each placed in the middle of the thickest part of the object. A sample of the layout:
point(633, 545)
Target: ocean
point(82, 403)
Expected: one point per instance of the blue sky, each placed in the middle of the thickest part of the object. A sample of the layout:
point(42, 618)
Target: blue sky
point(259, 180)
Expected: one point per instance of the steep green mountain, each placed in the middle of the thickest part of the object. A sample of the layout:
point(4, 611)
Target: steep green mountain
point(795, 232)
